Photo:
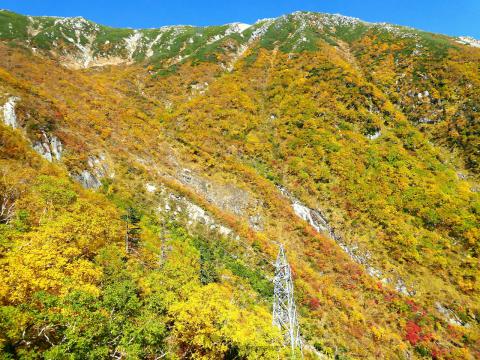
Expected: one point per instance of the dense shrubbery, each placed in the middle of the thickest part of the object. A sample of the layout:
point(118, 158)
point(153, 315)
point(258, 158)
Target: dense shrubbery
point(68, 287)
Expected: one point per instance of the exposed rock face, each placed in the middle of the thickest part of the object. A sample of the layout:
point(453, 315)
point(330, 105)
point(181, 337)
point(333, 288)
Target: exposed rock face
point(256, 222)
point(9, 116)
point(320, 223)
point(227, 197)
point(199, 88)
point(98, 169)
point(151, 188)
point(426, 120)
point(313, 217)
point(88, 180)
point(50, 147)
point(375, 135)
point(132, 43)
point(424, 94)
point(177, 205)
point(467, 40)
point(450, 315)
point(56, 147)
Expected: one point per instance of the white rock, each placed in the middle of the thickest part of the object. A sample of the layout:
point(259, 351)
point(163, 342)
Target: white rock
point(150, 188)
point(199, 88)
point(467, 40)
point(375, 135)
point(155, 41)
point(256, 222)
point(56, 147)
point(426, 120)
point(132, 43)
point(223, 230)
point(195, 214)
point(97, 170)
point(306, 214)
point(9, 116)
point(238, 27)
point(450, 315)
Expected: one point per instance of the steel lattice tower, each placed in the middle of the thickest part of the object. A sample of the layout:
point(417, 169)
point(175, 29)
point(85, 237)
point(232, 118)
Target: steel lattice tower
point(284, 309)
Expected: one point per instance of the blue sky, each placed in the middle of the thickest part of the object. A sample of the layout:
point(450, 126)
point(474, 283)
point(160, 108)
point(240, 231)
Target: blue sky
point(453, 17)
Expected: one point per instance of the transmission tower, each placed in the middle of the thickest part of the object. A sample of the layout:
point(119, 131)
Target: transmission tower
point(284, 309)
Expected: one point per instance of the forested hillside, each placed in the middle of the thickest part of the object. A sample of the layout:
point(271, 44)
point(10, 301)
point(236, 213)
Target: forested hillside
point(148, 178)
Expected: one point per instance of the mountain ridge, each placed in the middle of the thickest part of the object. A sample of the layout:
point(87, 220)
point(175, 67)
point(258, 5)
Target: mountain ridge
point(298, 12)
point(107, 46)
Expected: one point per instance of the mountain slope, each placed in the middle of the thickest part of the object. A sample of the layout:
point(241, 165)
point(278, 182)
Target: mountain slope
point(354, 144)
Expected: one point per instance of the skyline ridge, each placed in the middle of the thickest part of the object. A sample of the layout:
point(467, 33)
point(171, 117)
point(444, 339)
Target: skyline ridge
point(249, 24)
point(458, 19)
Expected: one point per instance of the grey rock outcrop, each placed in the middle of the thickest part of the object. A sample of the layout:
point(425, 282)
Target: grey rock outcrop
point(50, 147)
point(426, 120)
point(227, 197)
point(256, 222)
point(450, 315)
point(176, 205)
point(97, 169)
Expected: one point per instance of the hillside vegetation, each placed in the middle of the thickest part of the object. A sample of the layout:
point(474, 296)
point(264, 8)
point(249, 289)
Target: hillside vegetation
point(355, 145)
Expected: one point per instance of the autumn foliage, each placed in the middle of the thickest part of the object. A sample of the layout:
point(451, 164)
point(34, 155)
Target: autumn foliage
point(340, 124)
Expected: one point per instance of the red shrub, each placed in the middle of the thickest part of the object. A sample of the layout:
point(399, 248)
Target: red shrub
point(413, 332)
point(314, 303)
